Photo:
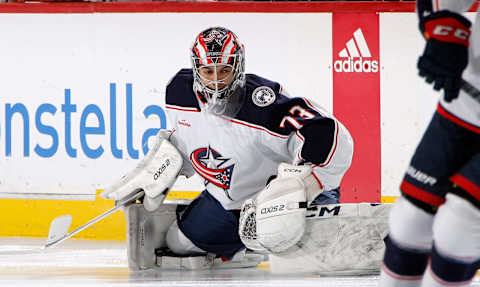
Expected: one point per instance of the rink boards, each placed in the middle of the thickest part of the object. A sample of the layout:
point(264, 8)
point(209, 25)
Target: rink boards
point(83, 88)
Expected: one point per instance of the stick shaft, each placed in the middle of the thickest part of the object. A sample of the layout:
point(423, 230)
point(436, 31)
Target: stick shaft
point(470, 90)
point(96, 219)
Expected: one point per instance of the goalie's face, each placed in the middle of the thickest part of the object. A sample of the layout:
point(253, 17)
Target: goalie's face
point(216, 77)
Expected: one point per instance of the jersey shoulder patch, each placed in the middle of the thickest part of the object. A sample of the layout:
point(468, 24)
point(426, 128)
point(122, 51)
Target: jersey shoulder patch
point(180, 90)
point(263, 96)
point(264, 103)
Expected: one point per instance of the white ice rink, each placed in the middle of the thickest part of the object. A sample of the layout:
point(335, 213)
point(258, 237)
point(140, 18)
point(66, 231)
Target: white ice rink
point(104, 263)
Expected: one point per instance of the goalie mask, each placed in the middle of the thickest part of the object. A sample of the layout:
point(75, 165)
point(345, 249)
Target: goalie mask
point(218, 71)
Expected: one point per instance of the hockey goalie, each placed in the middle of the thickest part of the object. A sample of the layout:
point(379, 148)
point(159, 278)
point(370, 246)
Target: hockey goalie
point(271, 164)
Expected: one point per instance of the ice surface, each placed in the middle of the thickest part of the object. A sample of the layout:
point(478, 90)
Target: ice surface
point(104, 263)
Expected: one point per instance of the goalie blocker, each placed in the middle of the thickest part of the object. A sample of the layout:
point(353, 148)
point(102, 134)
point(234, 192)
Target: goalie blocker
point(155, 174)
point(325, 239)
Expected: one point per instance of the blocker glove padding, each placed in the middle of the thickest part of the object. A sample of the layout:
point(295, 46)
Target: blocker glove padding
point(446, 52)
point(154, 174)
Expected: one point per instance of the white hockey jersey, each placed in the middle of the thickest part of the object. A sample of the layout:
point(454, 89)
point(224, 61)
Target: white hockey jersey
point(237, 156)
point(464, 110)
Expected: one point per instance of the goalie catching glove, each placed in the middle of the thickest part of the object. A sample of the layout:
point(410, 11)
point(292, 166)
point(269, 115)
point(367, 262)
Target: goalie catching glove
point(155, 174)
point(275, 219)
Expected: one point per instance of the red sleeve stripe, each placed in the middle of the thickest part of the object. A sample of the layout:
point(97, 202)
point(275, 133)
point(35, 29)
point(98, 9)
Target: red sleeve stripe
point(318, 180)
point(420, 194)
point(446, 114)
point(183, 109)
point(258, 128)
point(314, 108)
point(299, 156)
point(300, 136)
point(466, 185)
point(335, 140)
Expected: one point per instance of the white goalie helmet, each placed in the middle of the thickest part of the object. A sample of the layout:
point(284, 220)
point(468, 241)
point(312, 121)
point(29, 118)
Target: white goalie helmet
point(218, 68)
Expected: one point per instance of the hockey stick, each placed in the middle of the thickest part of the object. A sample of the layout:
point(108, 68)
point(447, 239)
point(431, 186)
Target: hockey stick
point(60, 225)
point(470, 90)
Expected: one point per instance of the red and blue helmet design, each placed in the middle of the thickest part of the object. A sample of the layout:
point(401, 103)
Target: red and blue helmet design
point(212, 47)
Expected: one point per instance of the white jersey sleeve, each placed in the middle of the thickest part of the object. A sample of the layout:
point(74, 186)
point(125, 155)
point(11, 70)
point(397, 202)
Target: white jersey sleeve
point(452, 5)
point(315, 137)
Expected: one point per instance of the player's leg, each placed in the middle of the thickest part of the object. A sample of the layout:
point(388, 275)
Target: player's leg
point(438, 155)
point(210, 227)
point(408, 245)
point(456, 231)
point(206, 228)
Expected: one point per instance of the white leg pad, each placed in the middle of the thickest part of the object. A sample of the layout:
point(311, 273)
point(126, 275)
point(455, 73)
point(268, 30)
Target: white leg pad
point(456, 229)
point(346, 241)
point(410, 226)
point(146, 231)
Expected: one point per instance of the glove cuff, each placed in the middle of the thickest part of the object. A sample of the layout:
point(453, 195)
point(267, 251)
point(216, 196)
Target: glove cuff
point(446, 26)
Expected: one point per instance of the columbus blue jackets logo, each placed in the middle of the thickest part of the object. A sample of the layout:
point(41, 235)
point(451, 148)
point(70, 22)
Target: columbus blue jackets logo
point(213, 167)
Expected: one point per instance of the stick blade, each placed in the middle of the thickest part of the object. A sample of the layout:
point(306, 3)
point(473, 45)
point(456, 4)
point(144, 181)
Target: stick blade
point(58, 228)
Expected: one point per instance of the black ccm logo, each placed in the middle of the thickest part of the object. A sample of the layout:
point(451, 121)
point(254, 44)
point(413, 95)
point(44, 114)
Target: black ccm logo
point(272, 209)
point(161, 169)
point(323, 211)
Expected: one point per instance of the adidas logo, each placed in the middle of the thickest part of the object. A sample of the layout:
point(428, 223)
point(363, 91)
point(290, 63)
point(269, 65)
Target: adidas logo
point(355, 53)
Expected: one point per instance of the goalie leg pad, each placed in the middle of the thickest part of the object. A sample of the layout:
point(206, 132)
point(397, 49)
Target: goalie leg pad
point(340, 239)
point(146, 231)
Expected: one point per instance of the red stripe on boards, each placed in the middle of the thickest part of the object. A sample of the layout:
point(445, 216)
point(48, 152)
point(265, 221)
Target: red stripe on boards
point(356, 100)
point(207, 7)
